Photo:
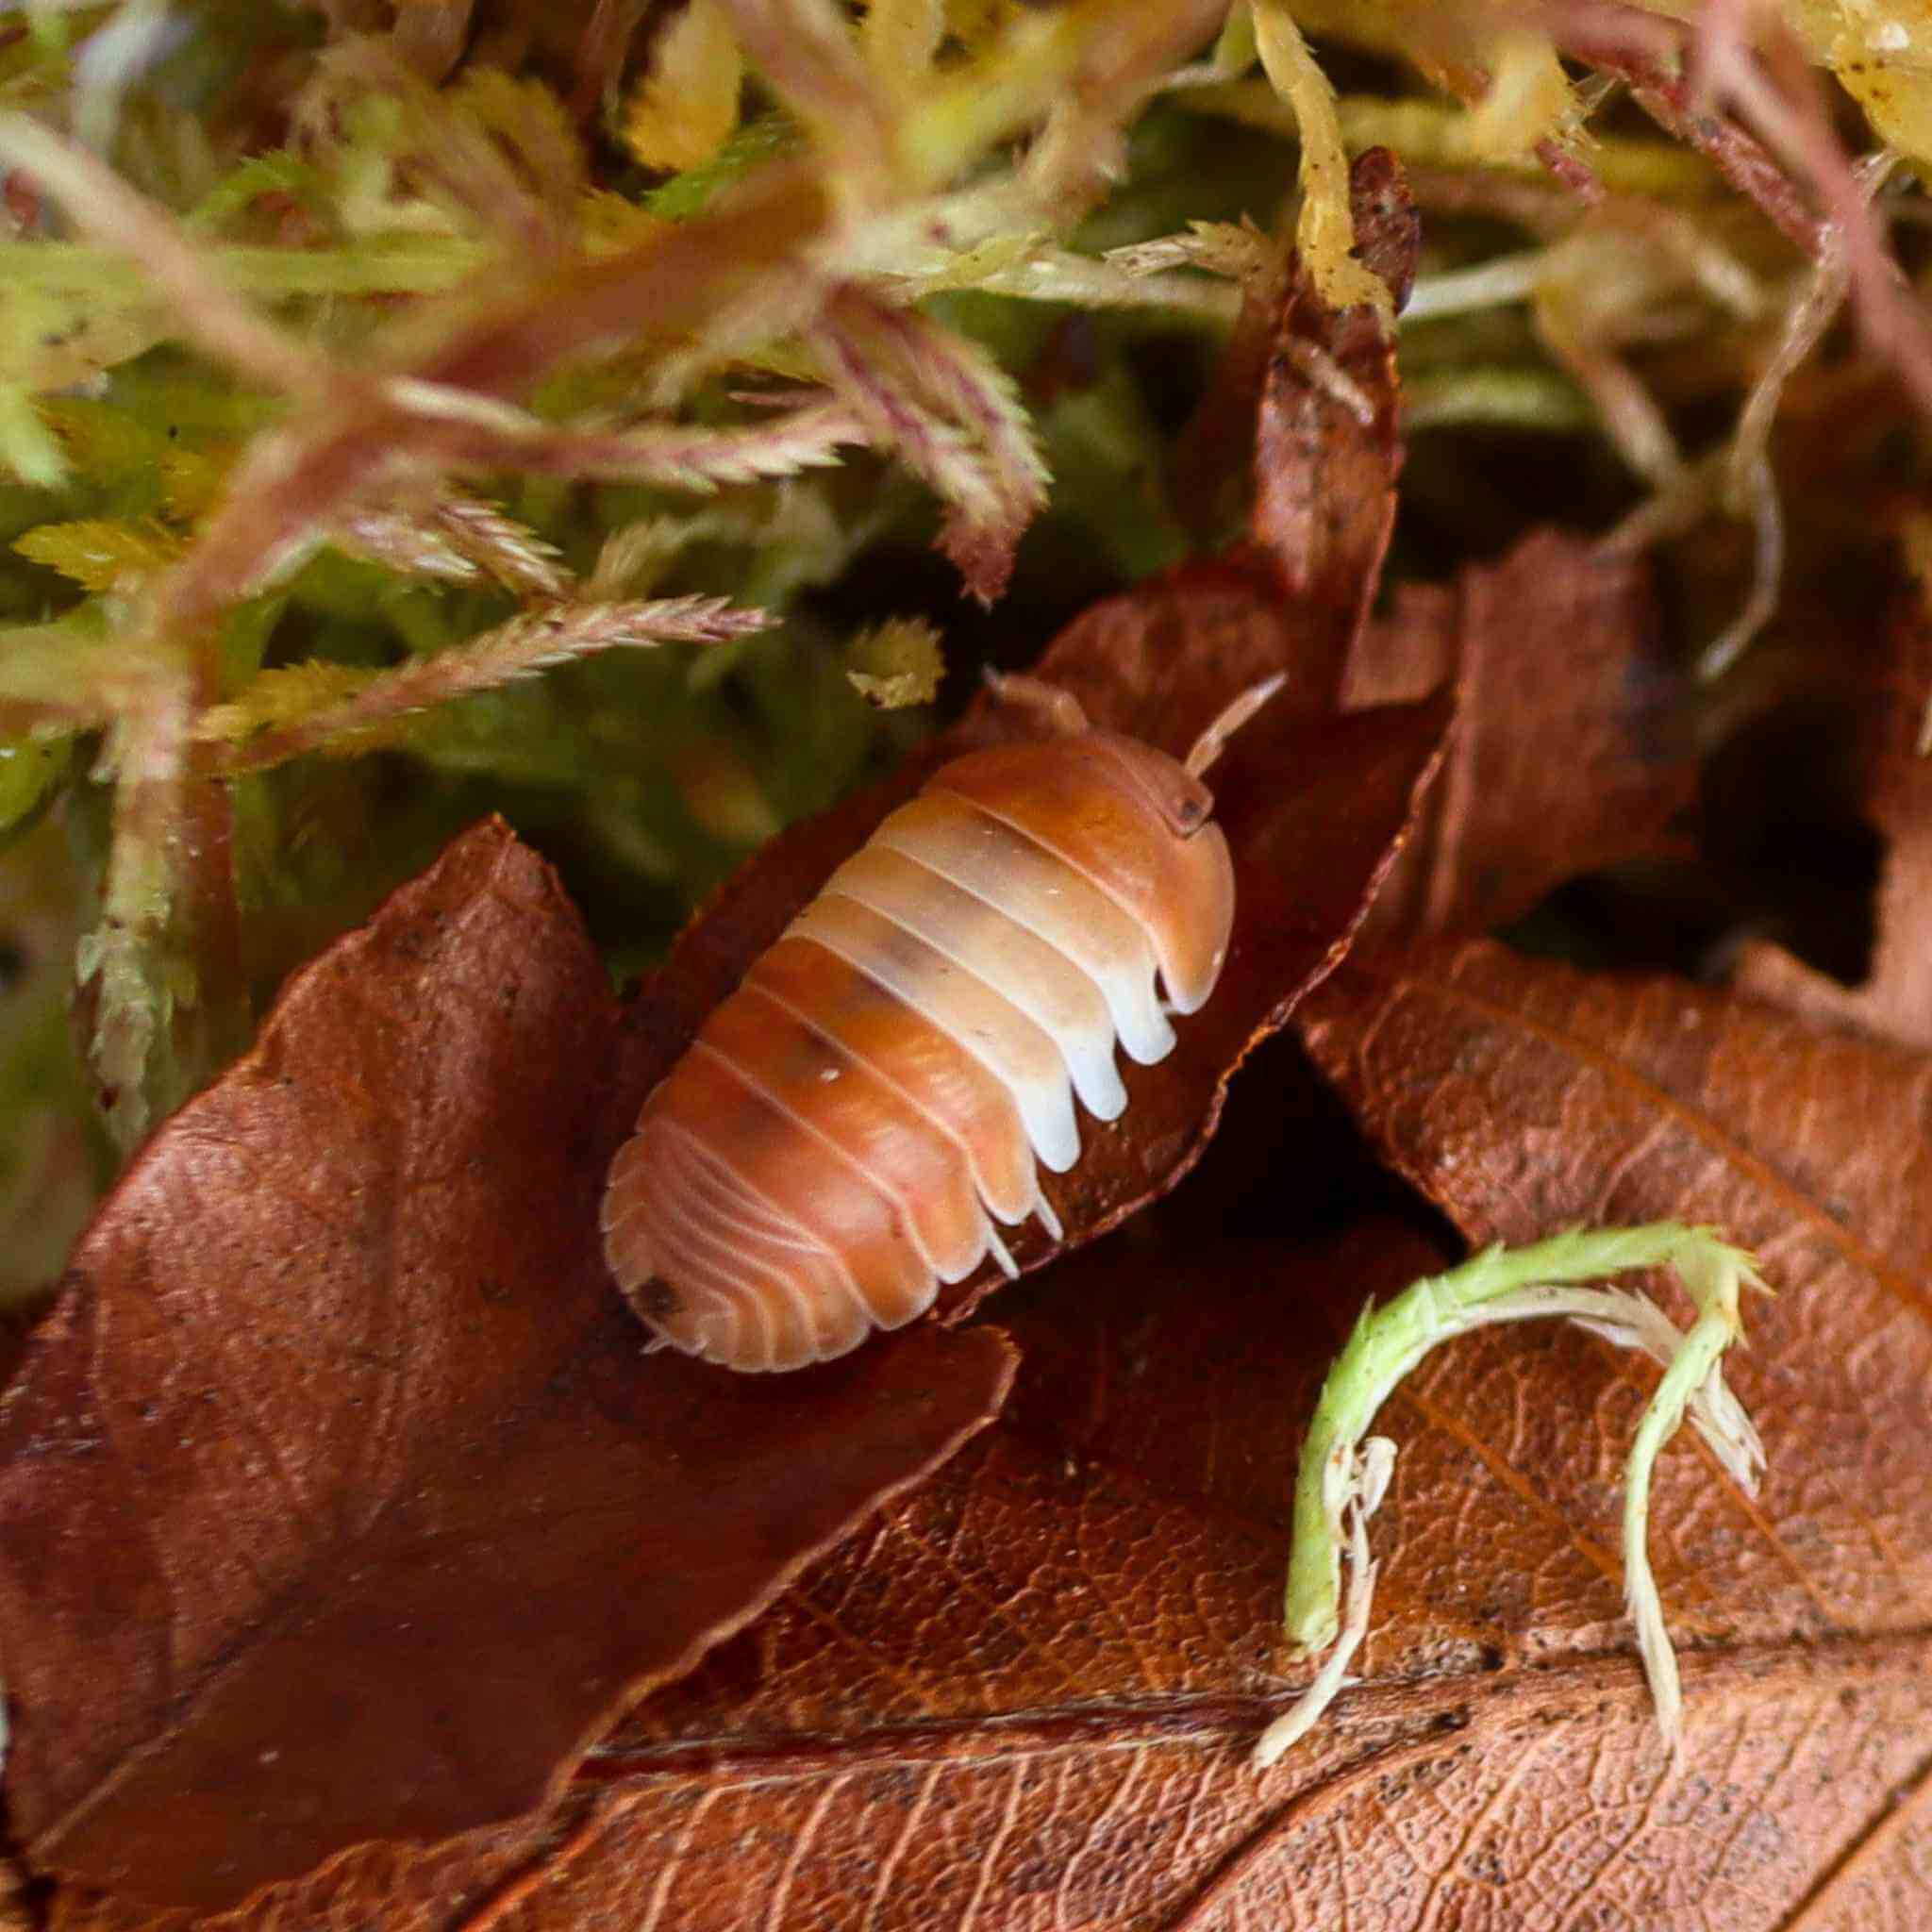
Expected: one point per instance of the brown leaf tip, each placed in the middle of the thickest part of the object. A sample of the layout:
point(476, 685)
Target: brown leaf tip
point(1386, 224)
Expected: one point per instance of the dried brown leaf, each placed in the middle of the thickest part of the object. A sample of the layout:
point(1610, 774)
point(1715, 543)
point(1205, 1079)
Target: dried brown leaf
point(1025, 1699)
point(341, 1502)
point(1305, 404)
point(1312, 395)
point(1029, 1706)
point(1025, 1702)
point(1523, 1097)
point(1895, 1000)
point(1572, 749)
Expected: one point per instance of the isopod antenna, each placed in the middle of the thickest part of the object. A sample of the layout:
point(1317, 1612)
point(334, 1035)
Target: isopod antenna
point(1213, 741)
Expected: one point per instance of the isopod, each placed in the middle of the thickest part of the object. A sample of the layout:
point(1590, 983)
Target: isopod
point(886, 1080)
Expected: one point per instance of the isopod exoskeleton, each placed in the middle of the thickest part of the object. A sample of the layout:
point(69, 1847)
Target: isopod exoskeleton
point(886, 1080)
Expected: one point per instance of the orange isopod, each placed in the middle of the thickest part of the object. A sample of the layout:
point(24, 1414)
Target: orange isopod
point(848, 1126)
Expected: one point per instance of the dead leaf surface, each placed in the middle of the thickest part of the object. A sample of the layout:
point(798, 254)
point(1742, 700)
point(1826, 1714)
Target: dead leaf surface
point(1326, 449)
point(1027, 1706)
point(1895, 1001)
point(1024, 1697)
point(1304, 417)
point(341, 1499)
point(1526, 1098)
point(1572, 749)
point(1025, 1701)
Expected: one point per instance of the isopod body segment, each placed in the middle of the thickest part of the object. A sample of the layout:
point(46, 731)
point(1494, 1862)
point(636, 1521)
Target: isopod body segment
point(851, 1126)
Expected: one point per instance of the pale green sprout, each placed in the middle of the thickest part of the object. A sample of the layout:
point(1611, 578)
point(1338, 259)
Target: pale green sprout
point(1343, 1478)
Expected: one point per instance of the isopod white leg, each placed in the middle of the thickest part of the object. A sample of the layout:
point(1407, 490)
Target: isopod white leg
point(1059, 709)
point(1048, 1219)
point(1000, 1251)
point(1213, 740)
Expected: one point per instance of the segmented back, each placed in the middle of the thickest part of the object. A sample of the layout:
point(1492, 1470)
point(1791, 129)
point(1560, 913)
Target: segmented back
point(882, 1088)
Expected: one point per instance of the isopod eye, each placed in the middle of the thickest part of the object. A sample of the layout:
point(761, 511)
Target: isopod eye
point(1183, 802)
